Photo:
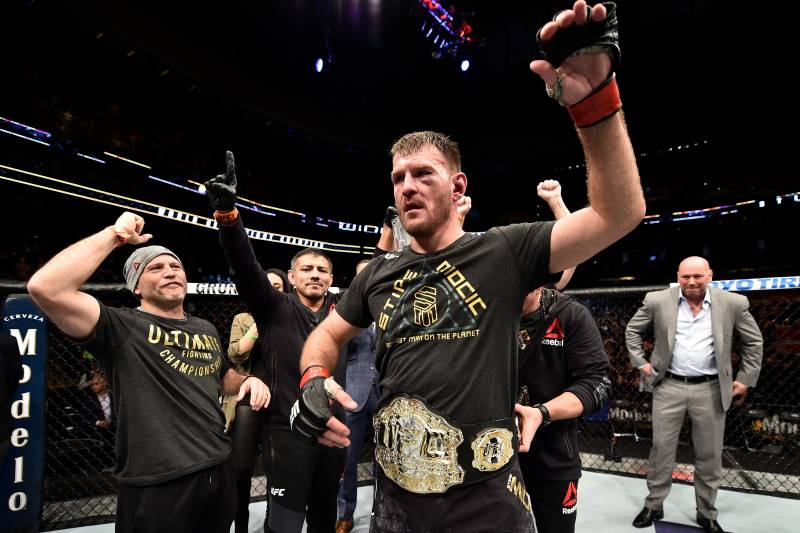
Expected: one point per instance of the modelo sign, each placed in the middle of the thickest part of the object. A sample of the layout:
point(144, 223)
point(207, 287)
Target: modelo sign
point(21, 471)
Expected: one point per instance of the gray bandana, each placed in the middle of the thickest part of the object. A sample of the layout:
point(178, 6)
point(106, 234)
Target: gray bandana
point(139, 259)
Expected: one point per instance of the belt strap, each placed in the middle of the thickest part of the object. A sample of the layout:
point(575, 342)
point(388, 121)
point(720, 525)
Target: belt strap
point(425, 451)
point(488, 448)
point(692, 379)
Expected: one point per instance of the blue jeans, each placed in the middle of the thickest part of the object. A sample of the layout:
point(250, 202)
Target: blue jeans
point(360, 425)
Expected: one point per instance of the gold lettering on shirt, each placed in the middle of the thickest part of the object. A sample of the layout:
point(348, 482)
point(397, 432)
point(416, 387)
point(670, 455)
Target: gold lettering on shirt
point(175, 333)
point(190, 369)
point(197, 342)
point(463, 287)
point(182, 339)
point(517, 487)
point(197, 355)
point(154, 334)
point(209, 342)
point(398, 288)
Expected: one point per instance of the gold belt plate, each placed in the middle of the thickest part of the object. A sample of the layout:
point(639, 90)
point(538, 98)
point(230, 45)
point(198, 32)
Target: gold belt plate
point(492, 449)
point(416, 448)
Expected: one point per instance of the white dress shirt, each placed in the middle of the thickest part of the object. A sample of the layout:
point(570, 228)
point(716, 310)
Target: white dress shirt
point(693, 353)
point(105, 403)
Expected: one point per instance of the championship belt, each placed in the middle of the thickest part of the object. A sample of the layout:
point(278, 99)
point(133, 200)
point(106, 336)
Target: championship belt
point(426, 452)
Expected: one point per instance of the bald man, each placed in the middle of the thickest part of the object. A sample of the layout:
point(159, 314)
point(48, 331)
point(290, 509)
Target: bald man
point(690, 369)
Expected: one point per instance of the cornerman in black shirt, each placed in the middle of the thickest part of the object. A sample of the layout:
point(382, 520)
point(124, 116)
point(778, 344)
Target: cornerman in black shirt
point(564, 374)
point(303, 479)
point(564, 367)
point(167, 369)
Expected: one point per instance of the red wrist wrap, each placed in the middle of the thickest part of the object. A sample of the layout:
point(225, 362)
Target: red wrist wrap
point(314, 371)
point(226, 218)
point(598, 106)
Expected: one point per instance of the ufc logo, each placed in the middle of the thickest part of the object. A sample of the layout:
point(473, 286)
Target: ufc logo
point(277, 492)
point(293, 413)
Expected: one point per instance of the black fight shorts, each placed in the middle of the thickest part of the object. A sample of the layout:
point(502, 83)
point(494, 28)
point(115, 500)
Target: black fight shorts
point(497, 505)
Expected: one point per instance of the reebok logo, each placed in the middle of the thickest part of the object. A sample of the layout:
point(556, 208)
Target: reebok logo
point(136, 265)
point(570, 499)
point(554, 336)
point(554, 331)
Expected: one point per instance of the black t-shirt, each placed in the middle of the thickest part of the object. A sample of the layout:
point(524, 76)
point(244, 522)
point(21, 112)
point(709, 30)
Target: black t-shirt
point(283, 323)
point(447, 322)
point(165, 374)
point(562, 352)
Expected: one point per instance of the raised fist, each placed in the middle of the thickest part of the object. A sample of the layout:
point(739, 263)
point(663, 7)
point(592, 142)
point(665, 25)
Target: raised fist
point(580, 48)
point(128, 228)
point(549, 190)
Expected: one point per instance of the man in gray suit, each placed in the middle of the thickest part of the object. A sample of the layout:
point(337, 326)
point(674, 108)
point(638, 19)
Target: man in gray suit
point(690, 369)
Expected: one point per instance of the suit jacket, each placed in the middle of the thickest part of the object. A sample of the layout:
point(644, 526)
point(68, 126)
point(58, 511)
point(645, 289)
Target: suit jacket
point(729, 313)
point(361, 373)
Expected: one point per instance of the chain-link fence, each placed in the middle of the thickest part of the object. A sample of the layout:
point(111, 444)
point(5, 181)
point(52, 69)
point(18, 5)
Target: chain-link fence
point(762, 442)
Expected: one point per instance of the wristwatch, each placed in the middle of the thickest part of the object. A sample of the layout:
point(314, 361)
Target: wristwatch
point(545, 414)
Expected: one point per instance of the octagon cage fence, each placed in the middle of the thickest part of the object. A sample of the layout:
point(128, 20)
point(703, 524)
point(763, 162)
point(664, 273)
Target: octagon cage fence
point(762, 443)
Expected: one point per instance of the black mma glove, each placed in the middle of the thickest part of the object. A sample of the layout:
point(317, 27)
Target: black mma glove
point(221, 190)
point(391, 213)
point(309, 416)
point(592, 35)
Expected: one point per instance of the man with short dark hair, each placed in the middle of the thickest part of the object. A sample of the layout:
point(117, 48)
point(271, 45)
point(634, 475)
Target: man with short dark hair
point(167, 368)
point(303, 479)
point(447, 309)
point(690, 370)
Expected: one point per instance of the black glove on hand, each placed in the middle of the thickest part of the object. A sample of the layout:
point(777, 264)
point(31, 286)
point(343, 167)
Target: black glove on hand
point(391, 212)
point(593, 34)
point(310, 414)
point(221, 190)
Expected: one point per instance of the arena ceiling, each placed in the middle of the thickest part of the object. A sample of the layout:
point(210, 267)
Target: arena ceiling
point(689, 67)
point(691, 71)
